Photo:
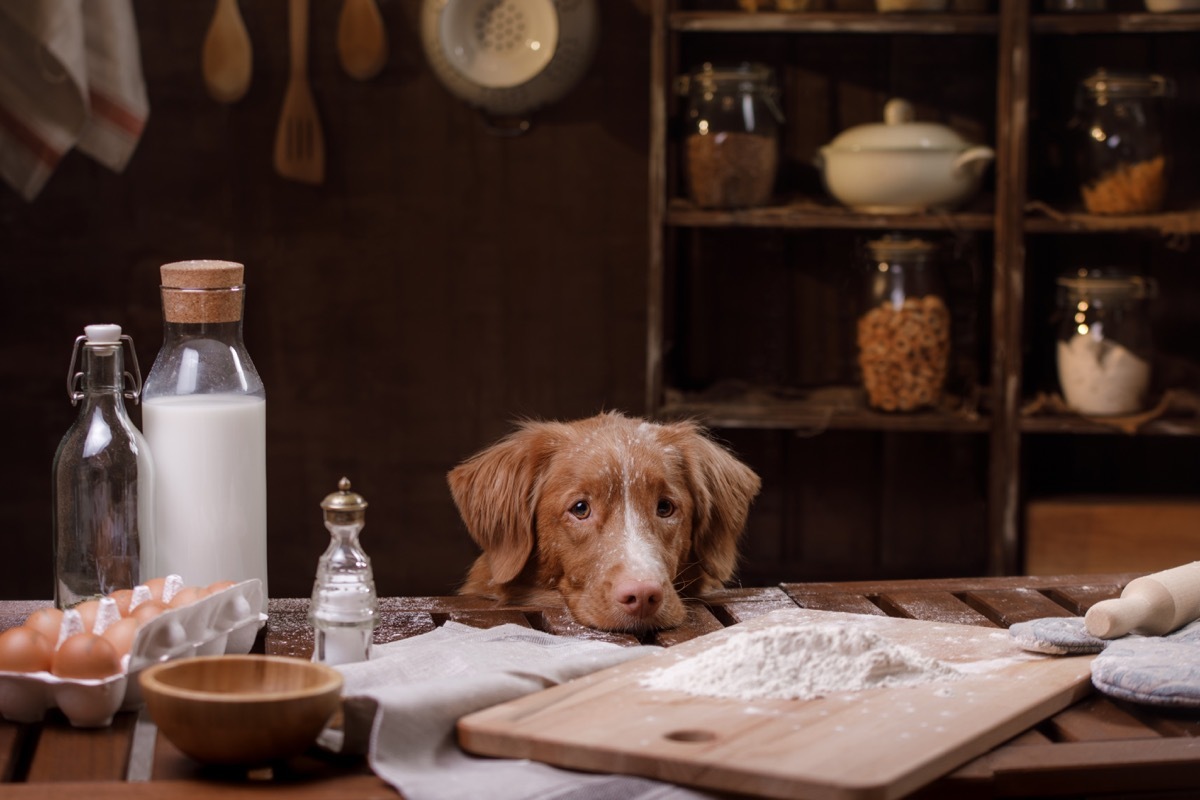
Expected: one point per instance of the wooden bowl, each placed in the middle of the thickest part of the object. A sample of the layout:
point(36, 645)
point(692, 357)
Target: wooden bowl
point(241, 710)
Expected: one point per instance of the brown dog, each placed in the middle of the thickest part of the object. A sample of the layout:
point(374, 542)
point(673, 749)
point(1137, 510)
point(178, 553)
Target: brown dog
point(617, 515)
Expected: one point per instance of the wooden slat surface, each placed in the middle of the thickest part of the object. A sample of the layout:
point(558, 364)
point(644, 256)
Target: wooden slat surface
point(1095, 747)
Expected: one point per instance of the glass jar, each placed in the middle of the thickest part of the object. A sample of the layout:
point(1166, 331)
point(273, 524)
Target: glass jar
point(904, 332)
point(204, 412)
point(731, 135)
point(1104, 344)
point(1123, 161)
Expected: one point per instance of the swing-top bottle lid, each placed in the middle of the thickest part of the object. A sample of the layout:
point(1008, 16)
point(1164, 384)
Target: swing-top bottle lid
point(344, 506)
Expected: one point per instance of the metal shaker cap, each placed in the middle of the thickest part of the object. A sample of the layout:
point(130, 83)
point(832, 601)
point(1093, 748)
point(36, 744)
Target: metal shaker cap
point(344, 507)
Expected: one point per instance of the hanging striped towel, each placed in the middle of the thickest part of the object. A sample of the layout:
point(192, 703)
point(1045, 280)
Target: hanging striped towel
point(70, 76)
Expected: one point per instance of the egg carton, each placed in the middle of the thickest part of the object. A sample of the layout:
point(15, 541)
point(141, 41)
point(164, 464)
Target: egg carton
point(226, 621)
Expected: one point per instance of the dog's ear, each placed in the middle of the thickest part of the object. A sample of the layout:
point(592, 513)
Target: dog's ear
point(722, 490)
point(496, 494)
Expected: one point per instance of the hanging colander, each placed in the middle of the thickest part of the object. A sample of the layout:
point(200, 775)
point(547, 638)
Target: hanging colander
point(509, 57)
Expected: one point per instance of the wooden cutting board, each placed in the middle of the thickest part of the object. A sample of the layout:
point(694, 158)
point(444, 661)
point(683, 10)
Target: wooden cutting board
point(875, 743)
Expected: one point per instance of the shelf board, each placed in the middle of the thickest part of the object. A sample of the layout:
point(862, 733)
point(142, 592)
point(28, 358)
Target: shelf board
point(1044, 219)
point(832, 22)
point(810, 214)
point(1081, 425)
point(831, 408)
point(1079, 23)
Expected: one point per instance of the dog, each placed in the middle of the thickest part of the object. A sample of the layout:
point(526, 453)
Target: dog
point(617, 516)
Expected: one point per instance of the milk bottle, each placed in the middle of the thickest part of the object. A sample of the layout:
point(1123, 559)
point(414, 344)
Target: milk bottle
point(204, 414)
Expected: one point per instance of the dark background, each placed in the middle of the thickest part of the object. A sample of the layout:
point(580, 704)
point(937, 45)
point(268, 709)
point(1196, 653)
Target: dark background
point(442, 283)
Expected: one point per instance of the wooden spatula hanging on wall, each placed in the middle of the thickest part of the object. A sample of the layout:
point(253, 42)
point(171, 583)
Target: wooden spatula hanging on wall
point(299, 144)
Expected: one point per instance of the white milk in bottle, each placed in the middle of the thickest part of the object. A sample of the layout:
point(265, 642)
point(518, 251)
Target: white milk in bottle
point(204, 412)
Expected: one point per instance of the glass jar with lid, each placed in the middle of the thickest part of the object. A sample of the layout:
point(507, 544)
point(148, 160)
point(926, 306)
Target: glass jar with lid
point(731, 135)
point(904, 332)
point(1123, 161)
point(1104, 348)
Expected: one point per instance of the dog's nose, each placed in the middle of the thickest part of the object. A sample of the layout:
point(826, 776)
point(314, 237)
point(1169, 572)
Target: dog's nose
point(640, 599)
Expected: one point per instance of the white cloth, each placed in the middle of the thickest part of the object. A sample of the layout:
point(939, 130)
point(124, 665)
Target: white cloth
point(403, 705)
point(70, 76)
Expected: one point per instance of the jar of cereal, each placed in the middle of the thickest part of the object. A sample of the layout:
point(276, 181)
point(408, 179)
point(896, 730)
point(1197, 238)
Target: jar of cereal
point(731, 135)
point(1123, 163)
point(1104, 343)
point(904, 334)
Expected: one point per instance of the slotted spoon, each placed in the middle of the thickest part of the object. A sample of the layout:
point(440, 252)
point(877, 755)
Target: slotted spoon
point(299, 144)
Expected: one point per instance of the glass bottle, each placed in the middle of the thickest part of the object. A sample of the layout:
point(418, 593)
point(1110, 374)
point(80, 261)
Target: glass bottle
point(103, 476)
point(1104, 349)
point(731, 145)
point(205, 416)
point(344, 609)
point(1123, 163)
point(904, 333)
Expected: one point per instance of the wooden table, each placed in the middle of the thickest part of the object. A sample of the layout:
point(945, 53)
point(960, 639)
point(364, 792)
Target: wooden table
point(1098, 747)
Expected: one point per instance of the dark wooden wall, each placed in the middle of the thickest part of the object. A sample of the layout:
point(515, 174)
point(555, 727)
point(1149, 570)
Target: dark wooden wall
point(440, 284)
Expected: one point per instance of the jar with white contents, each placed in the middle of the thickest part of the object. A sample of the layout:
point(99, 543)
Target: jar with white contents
point(1104, 349)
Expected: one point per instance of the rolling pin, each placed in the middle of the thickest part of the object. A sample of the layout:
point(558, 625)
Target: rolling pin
point(1152, 605)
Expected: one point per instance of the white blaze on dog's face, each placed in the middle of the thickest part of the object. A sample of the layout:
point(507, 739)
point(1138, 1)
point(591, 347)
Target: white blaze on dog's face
point(616, 515)
point(614, 521)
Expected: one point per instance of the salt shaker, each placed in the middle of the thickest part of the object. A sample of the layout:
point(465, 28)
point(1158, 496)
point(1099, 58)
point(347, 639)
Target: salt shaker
point(344, 609)
point(103, 476)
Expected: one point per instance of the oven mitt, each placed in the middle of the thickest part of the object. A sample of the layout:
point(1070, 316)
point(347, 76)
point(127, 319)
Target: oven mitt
point(1153, 670)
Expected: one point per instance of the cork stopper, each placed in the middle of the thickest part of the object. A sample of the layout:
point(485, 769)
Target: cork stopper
point(202, 291)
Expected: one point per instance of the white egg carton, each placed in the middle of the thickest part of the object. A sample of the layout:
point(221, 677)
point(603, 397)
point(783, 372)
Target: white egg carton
point(224, 622)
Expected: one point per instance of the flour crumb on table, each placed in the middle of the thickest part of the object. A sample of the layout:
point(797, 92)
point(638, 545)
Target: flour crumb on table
point(799, 662)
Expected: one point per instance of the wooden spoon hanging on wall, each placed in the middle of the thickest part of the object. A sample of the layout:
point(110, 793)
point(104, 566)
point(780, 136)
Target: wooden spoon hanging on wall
point(361, 39)
point(227, 59)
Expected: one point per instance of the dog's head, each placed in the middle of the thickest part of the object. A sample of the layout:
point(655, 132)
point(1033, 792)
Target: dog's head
point(618, 515)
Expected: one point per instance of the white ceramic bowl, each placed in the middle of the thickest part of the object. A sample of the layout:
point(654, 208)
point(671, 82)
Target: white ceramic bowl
point(901, 166)
point(509, 57)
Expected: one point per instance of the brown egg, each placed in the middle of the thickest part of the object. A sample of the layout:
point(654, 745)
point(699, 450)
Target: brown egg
point(121, 634)
point(25, 649)
point(47, 621)
point(85, 656)
point(219, 586)
point(147, 611)
point(185, 596)
point(87, 612)
point(155, 585)
point(122, 597)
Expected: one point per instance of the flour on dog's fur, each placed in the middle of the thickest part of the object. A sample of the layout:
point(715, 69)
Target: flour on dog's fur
point(799, 662)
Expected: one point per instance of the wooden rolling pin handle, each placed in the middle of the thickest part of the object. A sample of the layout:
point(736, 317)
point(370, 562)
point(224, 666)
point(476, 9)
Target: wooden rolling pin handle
point(1152, 605)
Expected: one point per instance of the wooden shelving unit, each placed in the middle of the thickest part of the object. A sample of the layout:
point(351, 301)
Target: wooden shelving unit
point(1009, 217)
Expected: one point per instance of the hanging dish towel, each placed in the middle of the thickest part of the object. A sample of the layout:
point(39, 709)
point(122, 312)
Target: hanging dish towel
point(70, 76)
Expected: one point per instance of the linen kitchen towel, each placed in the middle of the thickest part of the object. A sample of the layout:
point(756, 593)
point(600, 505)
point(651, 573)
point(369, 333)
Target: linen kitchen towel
point(401, 708)
point(70, 76)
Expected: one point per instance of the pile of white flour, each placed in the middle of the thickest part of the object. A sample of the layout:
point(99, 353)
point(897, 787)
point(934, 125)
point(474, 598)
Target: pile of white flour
point(1100, 377)
point(799, 662)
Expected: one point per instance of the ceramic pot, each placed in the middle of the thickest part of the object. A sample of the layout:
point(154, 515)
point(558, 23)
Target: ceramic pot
point(900, 166)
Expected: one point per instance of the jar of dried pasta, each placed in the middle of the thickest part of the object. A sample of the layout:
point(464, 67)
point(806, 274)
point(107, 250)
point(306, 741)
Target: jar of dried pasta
point(1104, 350)
point(904, 332)
point(731, 135)
point(1123, 164)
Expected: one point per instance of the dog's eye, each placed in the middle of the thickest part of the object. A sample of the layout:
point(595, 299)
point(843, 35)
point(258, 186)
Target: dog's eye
point(581, 509)
point(665, 508)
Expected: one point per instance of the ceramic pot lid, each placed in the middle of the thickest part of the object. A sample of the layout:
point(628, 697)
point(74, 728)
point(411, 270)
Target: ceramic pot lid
point(898, 131)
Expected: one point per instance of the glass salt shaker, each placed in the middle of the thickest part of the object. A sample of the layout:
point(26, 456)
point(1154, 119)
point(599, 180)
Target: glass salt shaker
point(1123, 161)
point(731, 138)
point(344, 609)
point(103, 507)
point(904, 333)
point(1104, 347)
